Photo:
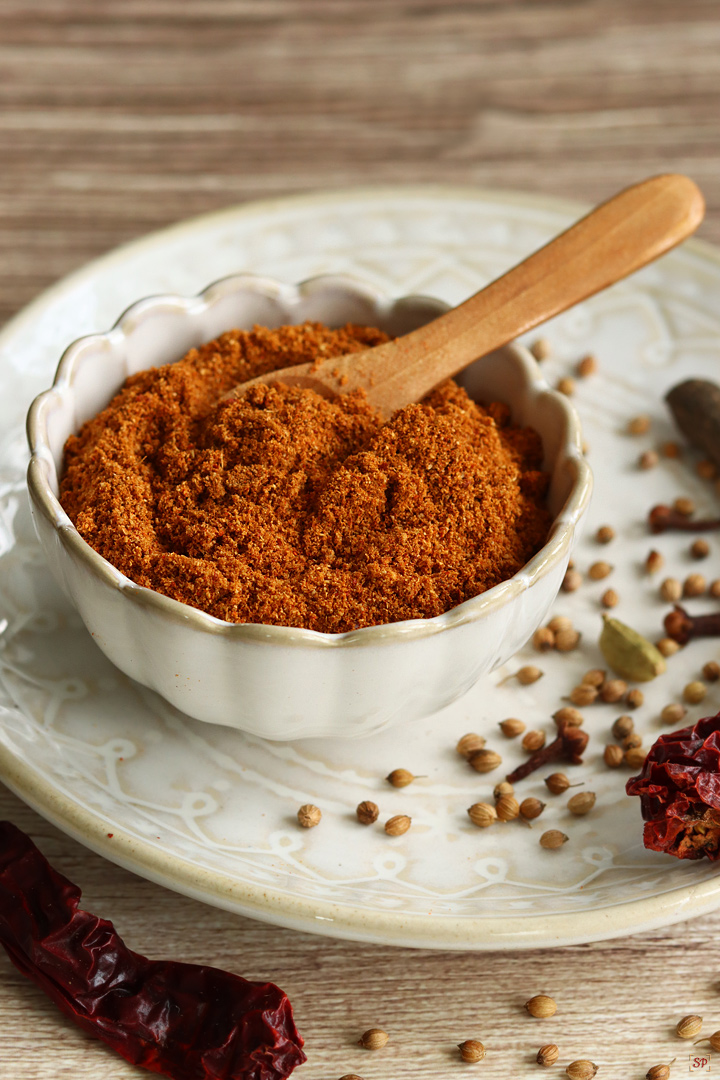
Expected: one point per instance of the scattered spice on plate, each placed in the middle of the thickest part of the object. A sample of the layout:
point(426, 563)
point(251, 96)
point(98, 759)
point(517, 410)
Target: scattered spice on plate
point(567, 640)
point(599, 570)
point(482, 814)
point(471, 1051)
point(309, 816)
point(400, 778)
point(694, 585)
point(186, 1021)
point(367, 812)
point(571, 581)
point(648, 459)
point(541, 349)
point(569, 746)
point(533, 740)
point(679, 790)
point(484, 761)
point(610, 598)
point(469, 744)
point(673, 713)
point(568, 715)
point(528, 675)
point(628, 653)
point(700, 549)
point(623, 726)
point(634, 698)
point(503, 788)
point(695, 692)
point(531, 808)
point(683, 627)
point(711, 671)
point(654, 561)
point(667, 647)
point(670, 590)
point(659, 1072)
point(605, 534)
point(398, 825)
point(613, 690)
point(543, 639)
point(512, 727)
point(507, 808)
point(582, 803)
point(566, 386)
point(587, 365)
point(613, 756)
point(553, 839)
point(639, 425)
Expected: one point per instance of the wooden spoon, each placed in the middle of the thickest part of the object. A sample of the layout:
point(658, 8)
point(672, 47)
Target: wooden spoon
point(616, 238)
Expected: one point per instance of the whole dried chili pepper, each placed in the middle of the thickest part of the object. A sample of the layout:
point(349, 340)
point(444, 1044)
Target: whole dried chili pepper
point(182, 1020)
point(679, 789)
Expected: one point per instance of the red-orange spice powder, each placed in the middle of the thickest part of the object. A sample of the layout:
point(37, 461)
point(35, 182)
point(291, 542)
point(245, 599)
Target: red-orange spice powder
point(284, 507)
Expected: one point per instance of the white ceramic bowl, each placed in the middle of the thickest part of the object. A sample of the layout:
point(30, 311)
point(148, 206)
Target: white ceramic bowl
point(275, 681)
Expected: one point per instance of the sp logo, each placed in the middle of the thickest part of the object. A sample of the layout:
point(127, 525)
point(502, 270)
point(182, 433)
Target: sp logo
point(699, 1065)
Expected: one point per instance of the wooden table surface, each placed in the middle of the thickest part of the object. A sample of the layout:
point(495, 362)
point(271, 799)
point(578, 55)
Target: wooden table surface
point(120, 116)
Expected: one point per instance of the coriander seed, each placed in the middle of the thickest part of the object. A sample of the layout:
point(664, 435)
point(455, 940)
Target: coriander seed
point(714, 589)
point(694, 585)
point(673, 714)
point(547, 1055)
point(613, 756)
point(654, 562)
point(582, 803)
point(700, 549)
point(658, 1072)
point(599, 570)
point(671, 590)
point(568, 715)
point(367, 812)
point(557, 783)
point(309, 816)
point(623, 726)
point(566, 386)
point(541, 1006)
point(528, 674)
point(631, 740)
point(571, 581)
point(610, 599)
point(648, 459)
point(507, 808)
point(581, 1070)
point(706, 470)
point(503, 788)
point(531, 808)
point(553, 839)
point(541, 349)
point(594, 677)
point(711, 671)
point(471, 1051)
point(605, 534)
point(469, 744)
point(560, 622)
point(567, 640)
point(634, 698)
point(635, 757)
point(588, 365)
point(533, 741)
point(639, 425)
point(484, 761)
point(671, 449)
point(398, 825)
point(689, 1026)
point(694, 692)
point(612, 690)
point(667, 646)
point(351, 1076)
point(543, 639)
point(512, 727)
point(482, 814)
point(400, 778)
point(684, 506)
point(374, 1039)
point(583, 694)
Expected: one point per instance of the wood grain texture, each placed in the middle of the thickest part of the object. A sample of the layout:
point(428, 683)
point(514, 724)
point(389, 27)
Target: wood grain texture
point(121, 116)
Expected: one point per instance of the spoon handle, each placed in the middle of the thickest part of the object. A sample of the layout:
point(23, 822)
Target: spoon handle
point(613, 240)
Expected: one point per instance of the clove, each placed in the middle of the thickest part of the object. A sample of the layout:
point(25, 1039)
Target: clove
point(568, 746)
point(682, 627)
point(663, 518)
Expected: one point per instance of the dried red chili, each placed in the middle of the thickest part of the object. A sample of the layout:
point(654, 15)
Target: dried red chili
point(186, 1021)
point(679, 789)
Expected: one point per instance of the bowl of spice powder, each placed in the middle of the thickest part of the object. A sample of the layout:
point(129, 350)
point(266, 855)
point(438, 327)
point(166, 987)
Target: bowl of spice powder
point(286, 564)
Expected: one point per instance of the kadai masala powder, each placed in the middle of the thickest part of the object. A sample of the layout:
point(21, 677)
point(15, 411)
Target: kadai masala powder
point(283, 507)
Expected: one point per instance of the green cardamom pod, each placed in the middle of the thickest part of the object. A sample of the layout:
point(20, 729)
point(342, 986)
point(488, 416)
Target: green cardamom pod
point(628, 653)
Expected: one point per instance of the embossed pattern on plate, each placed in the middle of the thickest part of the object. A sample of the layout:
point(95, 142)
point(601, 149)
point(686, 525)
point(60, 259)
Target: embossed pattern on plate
point(211, 812)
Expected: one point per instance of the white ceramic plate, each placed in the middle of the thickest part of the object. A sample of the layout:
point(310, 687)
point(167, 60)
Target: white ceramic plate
point(210, 812)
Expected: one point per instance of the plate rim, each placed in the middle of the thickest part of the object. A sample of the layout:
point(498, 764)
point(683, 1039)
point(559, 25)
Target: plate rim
point(174, 871)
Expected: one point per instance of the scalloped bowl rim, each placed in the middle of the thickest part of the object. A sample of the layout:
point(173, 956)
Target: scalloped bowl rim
point(469, 611)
